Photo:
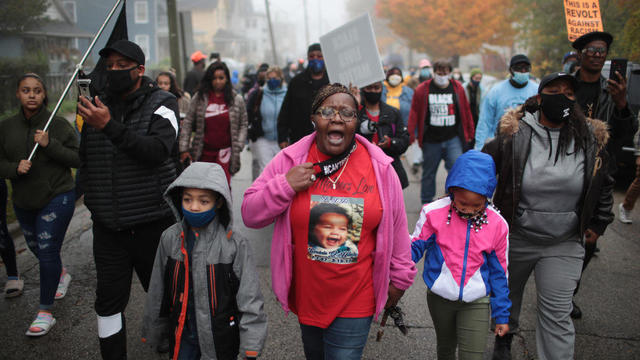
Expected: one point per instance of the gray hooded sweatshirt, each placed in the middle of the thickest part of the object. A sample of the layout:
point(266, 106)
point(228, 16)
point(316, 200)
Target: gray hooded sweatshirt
point(551, 191)
point(228, 301)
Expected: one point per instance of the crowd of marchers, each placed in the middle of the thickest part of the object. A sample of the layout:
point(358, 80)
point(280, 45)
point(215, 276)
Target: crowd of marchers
point(529, 188)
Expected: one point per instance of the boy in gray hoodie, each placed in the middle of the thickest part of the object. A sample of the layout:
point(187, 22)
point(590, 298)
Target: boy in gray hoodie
point(204, 289)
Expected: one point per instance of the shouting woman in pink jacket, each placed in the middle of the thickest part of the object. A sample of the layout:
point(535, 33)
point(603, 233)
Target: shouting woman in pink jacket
point(340, 252)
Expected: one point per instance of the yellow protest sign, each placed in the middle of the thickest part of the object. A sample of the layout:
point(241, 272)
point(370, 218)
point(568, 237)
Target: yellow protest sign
point(582, 17)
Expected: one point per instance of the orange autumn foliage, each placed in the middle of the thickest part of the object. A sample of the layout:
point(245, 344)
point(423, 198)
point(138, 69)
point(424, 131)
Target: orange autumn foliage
point(445, 28)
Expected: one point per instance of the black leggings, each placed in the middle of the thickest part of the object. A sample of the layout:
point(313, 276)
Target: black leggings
point(7, 249)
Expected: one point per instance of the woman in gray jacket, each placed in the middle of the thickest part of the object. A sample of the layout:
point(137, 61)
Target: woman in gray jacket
point(204, 289)
point(555, 192)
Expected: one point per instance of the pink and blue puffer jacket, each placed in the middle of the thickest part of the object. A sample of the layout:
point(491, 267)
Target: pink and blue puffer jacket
point(461, 263)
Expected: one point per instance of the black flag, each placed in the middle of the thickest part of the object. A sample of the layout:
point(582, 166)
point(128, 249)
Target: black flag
point(97, 76)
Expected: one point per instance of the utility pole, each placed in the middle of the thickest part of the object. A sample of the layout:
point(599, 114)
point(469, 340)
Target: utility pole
point(306, 23)
point(273, 41)
point(174, 41)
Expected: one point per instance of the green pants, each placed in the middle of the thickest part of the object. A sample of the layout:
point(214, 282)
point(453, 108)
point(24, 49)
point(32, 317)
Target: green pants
point(460, 324)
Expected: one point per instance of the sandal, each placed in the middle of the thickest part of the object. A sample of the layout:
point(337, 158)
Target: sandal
point(63, 286)
point(42, 324)
point(13, 288)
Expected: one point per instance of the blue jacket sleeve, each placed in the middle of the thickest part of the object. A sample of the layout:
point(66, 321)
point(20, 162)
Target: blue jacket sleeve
point(420, 237)
point(497, 261)
point(486, 121)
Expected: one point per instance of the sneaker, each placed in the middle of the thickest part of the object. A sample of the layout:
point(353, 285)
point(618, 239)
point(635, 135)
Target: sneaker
point(63, 286)
point(13, 288)
point(623, 215)
point(42, 324)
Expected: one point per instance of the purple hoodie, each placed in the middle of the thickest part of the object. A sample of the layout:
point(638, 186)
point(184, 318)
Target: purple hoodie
point(269, 199)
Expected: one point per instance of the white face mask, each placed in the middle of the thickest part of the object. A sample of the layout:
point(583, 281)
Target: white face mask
point(395, 80)
point(440, 80)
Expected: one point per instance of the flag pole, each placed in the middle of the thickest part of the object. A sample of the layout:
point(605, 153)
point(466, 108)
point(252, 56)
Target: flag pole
point(75, 73)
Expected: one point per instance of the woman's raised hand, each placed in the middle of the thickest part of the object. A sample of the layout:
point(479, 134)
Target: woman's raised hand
point(301, 177)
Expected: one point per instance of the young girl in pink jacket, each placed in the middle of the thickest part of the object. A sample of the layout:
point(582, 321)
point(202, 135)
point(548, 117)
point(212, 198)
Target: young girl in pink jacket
point(465, 266)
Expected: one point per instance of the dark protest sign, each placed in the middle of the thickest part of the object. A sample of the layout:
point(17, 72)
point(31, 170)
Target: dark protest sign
point(351, 53)
point(582, 17)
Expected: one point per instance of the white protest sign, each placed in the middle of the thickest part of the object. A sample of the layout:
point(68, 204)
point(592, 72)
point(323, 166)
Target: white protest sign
point(351, 54)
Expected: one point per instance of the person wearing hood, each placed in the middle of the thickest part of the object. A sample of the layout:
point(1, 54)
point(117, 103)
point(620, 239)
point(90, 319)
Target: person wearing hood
point(263, 109)
point(204, 288)
point(503, 96)
point(382, 125)
point(440, 121)
point(294, 120)
point(128, 155)
point(42, 192)
point(555, 191)
point(466, 235)
point(397, 94)
point(219, 117)
point(335, 290)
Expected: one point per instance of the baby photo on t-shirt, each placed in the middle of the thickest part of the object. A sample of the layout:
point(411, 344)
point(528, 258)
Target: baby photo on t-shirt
point(335, 224)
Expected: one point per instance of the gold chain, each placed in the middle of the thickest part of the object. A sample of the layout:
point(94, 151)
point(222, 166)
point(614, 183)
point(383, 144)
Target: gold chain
point(338, 177)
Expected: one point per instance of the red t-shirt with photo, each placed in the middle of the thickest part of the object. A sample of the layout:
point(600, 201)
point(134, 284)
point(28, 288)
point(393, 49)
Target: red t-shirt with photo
point(334, 244)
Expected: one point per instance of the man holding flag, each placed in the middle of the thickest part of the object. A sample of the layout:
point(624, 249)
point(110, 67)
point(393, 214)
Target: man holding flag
point(128, 154)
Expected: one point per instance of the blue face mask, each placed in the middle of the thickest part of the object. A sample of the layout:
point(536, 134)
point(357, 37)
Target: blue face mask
point(273, 84)
point(201, 219)
point(316, 65)
point(520, 77)
point(425, 73)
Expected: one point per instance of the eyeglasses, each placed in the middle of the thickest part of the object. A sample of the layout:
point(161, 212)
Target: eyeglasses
point(590, 51)
point(328, 113)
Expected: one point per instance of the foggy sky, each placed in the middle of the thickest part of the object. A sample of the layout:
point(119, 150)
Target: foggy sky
point(324, 16)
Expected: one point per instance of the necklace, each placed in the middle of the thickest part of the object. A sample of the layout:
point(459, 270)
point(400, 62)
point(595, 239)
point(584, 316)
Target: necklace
point(344, 166)
point(333, 182)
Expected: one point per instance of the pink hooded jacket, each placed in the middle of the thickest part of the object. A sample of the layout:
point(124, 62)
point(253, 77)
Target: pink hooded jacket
point(269, 199)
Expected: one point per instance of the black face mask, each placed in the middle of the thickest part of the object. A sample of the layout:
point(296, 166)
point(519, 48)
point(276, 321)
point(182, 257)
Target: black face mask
point(557, 108)
point(372, 97)
point(261, 81)
point(119, 81)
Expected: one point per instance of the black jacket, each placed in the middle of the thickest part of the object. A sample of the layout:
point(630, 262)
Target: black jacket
point(510, 150)
point(390, 124)
point(622, 123)
point(294, 120)
point(126, 167)
point(254, 115)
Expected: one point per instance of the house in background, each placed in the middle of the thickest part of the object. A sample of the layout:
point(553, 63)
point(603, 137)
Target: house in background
point(146, 22)
point(57, 38)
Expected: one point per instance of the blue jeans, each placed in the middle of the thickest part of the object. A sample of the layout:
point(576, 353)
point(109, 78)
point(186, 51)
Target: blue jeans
point(432, 153)
point(189, 345)
point(44, 231)
point(7, 249)
point(344, 339)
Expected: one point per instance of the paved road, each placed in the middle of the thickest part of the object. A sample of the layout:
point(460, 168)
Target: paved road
point(609, 297)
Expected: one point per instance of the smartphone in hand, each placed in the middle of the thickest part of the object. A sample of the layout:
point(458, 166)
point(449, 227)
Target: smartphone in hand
point(619, 65)
point(83, 85)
